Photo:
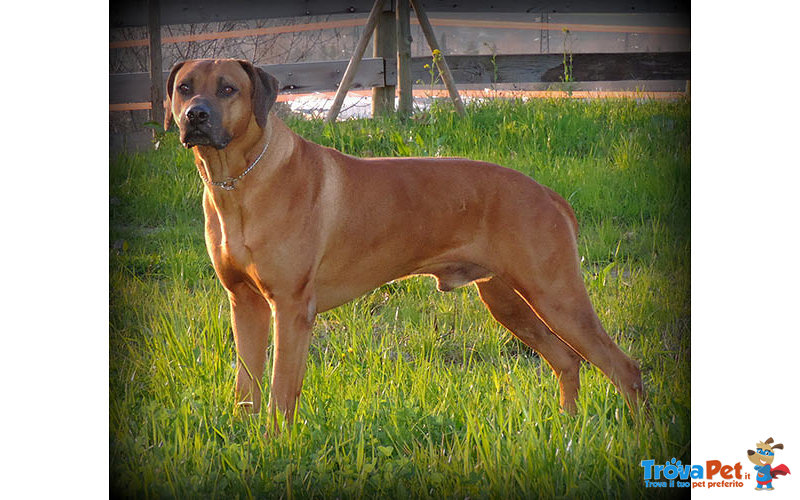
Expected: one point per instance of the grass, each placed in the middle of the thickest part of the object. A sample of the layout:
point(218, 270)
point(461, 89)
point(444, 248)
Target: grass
point(411, 392)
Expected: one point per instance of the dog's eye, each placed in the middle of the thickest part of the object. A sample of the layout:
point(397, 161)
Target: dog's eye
point(183, 88)
point(760, 451)
point(227, 90)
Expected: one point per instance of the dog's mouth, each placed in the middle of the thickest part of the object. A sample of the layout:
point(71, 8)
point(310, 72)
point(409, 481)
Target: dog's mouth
point(197, 137)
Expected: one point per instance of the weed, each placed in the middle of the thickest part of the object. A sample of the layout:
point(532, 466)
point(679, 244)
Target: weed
point(566, 79)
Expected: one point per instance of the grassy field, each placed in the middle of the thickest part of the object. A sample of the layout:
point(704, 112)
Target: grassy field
point(411, 392)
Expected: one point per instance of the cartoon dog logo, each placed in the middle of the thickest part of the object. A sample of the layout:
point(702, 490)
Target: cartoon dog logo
point(763, 458)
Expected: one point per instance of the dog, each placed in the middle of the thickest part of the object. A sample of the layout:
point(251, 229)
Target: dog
point(763, 458)
point(294, 229)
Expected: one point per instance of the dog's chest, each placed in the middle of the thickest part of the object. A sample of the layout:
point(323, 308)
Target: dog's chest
point(231, 250)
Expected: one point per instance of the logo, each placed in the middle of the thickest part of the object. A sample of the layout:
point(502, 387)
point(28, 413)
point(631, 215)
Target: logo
point(763, 458)
point(673, 474)
point(716, 474)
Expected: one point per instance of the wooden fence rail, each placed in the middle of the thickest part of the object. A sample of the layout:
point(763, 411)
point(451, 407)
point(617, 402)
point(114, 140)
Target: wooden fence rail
point(549, 68)
point(389, 23)
point(443, 22)
point(129, 90)
point(134, 12)
point(294, 78)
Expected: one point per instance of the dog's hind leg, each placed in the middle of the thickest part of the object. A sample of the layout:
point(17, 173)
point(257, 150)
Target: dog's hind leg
point(511, 311)
point(557, 294)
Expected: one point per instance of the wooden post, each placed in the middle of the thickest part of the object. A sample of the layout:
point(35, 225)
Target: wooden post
point(438, 57)
point(156, 83)
point(352, 66)
point(404, 84)
point(384, 46)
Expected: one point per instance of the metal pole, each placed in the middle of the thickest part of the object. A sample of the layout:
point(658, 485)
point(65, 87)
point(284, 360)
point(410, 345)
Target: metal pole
point(438, 57)
point(156, 84)
point(352, 67)
point(384, 46)
point(404, 83)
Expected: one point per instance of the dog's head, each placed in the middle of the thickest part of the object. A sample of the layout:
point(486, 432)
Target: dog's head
point(764, 453)
point(214, 100)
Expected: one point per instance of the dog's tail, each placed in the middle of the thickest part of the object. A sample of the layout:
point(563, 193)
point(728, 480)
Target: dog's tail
point(565, 208)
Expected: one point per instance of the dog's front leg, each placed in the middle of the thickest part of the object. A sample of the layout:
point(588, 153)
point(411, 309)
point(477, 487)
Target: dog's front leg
point(294, 319)
point(251, 317)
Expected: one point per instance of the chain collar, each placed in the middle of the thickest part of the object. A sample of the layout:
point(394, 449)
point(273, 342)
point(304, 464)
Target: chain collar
point(229, 184)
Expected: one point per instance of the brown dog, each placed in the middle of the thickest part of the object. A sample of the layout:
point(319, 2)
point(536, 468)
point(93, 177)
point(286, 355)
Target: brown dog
point(294, 229)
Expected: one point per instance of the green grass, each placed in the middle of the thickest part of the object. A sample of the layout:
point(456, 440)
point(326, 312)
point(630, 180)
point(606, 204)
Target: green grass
point(411, 392)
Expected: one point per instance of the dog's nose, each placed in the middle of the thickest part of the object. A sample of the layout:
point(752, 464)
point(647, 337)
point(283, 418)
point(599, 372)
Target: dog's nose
point(198, 114)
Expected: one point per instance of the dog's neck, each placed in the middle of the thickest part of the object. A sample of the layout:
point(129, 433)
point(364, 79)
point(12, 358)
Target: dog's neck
point(259, 148)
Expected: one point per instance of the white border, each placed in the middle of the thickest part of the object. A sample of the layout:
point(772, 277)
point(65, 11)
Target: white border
point(745, 221)
point(54, 368)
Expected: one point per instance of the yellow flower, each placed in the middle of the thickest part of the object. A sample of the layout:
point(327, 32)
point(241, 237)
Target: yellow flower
point(436, 52)
point(427, 66)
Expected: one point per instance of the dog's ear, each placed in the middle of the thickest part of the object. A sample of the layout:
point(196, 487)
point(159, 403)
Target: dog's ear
point(768, 441)
point(778, 446)
point(170, 85)
point(265, 91)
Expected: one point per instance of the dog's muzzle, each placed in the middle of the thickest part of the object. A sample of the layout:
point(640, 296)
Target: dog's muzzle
point(198, 128)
